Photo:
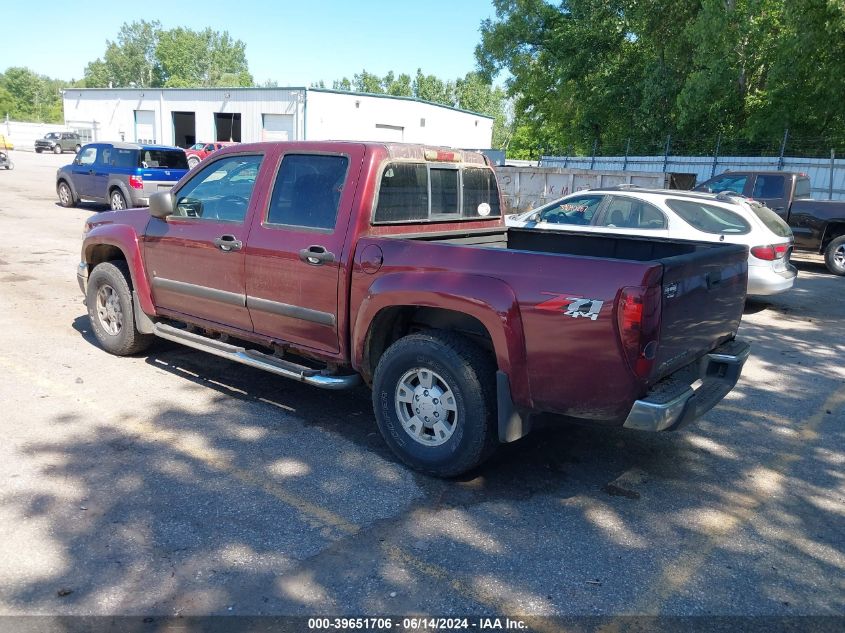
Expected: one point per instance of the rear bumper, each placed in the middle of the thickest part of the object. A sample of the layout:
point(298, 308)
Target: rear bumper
point(763, 281)
point(690, 392)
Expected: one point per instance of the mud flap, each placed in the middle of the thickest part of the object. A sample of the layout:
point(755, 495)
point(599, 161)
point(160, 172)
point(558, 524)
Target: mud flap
point(513, 423)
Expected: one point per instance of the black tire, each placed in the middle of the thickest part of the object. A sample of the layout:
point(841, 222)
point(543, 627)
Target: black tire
point(110, 313)
point(468, 372)
point(65, 193)
point(57, 149)
point(117, 201)
point(38, 150)
point(834, 256)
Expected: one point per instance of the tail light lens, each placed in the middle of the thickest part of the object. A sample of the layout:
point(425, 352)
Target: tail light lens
point(771, 252)
point(638, 319)
point(136, 182)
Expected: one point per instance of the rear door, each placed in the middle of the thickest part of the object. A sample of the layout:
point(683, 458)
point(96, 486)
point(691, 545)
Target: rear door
point(295, 254)
point(195, 259)
point(703, 299)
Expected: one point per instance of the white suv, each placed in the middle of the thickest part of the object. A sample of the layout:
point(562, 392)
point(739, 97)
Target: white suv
point(683, 215)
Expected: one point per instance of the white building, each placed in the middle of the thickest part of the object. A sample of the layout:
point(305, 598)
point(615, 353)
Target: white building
point(177, 116)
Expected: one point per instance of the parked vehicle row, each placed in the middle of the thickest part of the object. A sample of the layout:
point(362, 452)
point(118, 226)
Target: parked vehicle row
point(335, 262)
point(122, 175)
point(684, 215)
point(818, 225)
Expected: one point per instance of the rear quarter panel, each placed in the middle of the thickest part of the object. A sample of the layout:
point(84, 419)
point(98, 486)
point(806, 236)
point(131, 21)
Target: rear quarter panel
point(555, 361)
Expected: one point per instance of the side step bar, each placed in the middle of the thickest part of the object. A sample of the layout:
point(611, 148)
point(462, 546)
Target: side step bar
point(256, 359)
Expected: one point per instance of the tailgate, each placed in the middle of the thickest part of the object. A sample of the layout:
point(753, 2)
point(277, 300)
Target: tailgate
point(703, 300)
point(160, 179)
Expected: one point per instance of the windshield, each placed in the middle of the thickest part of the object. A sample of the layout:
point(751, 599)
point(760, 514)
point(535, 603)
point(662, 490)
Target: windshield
point(197, 146)
point(772, 220)
point(52, 135)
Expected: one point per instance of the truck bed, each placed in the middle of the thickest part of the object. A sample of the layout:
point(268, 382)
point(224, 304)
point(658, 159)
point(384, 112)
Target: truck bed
point(701, 290)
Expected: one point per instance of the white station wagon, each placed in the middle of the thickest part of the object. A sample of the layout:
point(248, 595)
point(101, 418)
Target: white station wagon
point(682, 215)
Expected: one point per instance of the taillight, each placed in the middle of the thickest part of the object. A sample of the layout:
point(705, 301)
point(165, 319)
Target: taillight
point(771, 252)
point(136, 182)
point(638, 318)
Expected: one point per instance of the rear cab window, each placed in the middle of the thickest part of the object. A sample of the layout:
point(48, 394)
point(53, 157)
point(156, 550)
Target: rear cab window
point(709, 218)
point(423, 192)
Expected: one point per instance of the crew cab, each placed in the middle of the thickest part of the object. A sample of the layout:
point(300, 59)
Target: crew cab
point(336, 262)
point(818, 225)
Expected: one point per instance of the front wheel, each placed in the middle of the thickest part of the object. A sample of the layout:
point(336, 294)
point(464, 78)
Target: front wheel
point(834, 256)
point(193, 162)
point(66, 198)
point(117, 201)
point(38, 150)
point(109, 299)
point(435, 402)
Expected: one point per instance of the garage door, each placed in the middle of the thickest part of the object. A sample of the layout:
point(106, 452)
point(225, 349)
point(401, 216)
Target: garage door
point(277, 127)
point(145, 126)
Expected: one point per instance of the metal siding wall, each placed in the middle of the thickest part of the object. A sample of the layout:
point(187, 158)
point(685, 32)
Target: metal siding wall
point(818, 169)
point(113, 111)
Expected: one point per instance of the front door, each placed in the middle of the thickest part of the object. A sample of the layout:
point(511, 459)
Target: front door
point(295, 255)
point(83, 170)
point(195, 259)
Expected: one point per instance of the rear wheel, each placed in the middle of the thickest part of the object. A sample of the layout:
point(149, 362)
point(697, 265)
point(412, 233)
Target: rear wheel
point(57, 149)
point(65, 194)
point(435, 402)
point(109, 299)
point(77, 148)
point(117, 201)
point(834, 256)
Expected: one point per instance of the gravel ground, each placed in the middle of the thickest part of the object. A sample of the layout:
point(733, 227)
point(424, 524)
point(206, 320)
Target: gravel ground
point(178, 483)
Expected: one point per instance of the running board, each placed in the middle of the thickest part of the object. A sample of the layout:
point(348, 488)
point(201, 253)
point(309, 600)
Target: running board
point(255, 359)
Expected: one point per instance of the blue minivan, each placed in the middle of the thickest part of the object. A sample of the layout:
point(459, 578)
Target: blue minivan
point(123, 175)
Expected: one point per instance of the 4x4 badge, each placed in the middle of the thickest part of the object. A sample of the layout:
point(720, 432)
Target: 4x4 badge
point(574, 307)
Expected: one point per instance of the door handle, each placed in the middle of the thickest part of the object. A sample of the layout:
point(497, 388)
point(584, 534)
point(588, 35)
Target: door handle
point(714, 280)
point(316, 255)
point(228, 243)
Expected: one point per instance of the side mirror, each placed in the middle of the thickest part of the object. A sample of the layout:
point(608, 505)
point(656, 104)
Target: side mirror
point(161, 204)
point(534, 217)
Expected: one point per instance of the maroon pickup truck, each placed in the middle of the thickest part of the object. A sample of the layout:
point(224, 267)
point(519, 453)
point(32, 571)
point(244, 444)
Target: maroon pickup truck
point(332, 262)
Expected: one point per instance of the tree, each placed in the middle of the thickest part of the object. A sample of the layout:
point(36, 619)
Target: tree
point(27, 96)
point(129, 61)
point(430, 88)
point(145, 55)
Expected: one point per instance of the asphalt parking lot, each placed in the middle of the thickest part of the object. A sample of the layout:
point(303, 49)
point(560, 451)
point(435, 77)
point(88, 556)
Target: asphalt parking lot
point(176, 483)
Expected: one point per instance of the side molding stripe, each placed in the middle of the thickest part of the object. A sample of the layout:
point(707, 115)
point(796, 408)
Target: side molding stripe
point(287, 310)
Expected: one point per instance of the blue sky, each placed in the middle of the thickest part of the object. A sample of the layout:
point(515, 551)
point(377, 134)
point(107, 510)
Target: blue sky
point(292, 42)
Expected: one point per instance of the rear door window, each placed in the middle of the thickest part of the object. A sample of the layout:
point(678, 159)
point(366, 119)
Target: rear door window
point(124, 158)
point(709, 218)
point(307, 191)
point(631, 213)
point(768, 186)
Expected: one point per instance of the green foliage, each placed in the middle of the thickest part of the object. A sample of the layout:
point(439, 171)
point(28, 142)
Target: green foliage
point(27, 96)
point(612, 70)
point(145, 55)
